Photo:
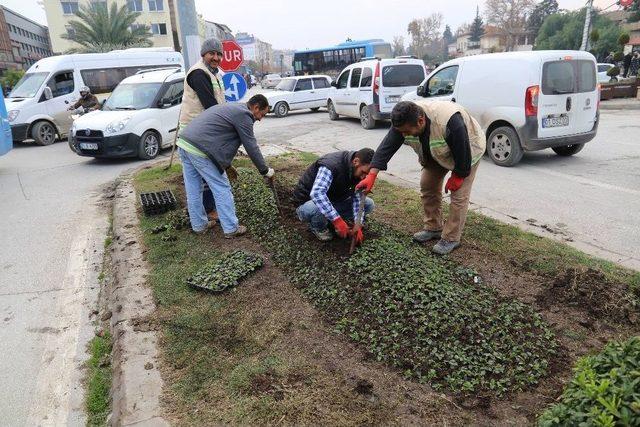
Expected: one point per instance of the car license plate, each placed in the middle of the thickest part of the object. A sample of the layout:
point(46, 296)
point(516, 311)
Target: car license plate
point(88, 146)
point(554, 122)
point(392, 99)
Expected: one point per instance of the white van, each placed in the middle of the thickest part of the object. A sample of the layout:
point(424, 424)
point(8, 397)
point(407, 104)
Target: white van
point(369, 89)
point(525, 101)
point(137, 120)
point(38, 104)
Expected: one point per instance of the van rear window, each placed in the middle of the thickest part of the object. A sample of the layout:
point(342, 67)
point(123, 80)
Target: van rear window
point(558, 78)
point(563, 77)
point(402, 75)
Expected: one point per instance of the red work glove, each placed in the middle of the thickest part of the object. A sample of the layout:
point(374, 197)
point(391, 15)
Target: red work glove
point(342, 229)
point(367, 184)
point(358, 235)
point(453, 183)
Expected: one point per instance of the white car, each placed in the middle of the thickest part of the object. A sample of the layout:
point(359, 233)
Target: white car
point(549, 99)
point(270, 81)
point(602, 72)
point(137, 120)
point(369, 89)
point(298, 93)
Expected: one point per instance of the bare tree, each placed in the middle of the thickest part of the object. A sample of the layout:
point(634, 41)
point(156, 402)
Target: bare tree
point(510, 16)
point(425, 33)
point(398, 46)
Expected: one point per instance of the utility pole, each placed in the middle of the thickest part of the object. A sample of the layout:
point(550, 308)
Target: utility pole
point(587, 26)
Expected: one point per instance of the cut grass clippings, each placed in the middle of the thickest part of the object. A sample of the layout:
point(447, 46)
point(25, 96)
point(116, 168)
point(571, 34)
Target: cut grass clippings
point(97, 401)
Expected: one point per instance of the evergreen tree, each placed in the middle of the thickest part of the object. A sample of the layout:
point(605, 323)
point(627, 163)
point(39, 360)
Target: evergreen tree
point(477, 27)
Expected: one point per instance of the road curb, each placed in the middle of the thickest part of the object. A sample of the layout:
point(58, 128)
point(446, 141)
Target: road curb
point(633, 105)
point(137, 383)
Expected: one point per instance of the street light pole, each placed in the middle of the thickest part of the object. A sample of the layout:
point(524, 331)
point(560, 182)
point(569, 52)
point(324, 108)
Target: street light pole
point(587, 26)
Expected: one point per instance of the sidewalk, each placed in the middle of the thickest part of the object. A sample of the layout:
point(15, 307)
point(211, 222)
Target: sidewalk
point(620, 104)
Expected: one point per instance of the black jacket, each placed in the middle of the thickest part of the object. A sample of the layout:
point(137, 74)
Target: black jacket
point(201, 83)
point(343, 183)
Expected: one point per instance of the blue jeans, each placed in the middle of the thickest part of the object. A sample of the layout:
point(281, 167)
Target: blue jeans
point(309, 212)
point(194, 170)
point(207, 199)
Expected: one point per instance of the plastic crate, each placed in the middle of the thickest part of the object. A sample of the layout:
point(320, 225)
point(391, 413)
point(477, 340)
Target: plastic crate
point(158, 203)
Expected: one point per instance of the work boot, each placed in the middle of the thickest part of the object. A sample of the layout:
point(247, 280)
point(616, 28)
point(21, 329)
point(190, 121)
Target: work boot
point(210, 225)
point(324, 235)
point(426, 235)
point(241, 230)
point(444, 247)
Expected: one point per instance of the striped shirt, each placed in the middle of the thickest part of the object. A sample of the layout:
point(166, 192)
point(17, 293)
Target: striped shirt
point(319, 196)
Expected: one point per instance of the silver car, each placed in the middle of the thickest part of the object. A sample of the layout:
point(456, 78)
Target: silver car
point(270, 81)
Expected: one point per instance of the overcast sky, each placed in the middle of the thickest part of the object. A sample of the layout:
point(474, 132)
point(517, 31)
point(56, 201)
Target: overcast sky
point(299, 25)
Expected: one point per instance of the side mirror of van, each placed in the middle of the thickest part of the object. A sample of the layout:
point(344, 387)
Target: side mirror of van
point(164, 103)
point(422, 91)
point(334, 84)
point(47, 93)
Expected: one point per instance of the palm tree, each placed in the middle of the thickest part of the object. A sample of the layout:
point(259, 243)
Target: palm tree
point(102, 30)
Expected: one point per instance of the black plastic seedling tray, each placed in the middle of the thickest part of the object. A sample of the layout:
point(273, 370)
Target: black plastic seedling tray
point(157, 203)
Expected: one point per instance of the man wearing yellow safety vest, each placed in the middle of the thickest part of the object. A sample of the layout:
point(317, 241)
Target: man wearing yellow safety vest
point(203, 88)
point(446, 138)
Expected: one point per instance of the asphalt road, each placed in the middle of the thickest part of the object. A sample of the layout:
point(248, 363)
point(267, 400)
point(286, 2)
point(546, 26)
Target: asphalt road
point(590, 200)
point(53, 229)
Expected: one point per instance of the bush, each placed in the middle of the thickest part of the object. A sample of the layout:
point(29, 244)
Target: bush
point(605, 390)
point(613, 72)
point(623, 39)
point(618, 56)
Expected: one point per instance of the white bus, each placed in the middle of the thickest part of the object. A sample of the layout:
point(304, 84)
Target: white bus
point(38, 104)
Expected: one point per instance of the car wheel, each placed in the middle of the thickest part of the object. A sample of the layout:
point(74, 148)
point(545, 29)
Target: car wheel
point(504, 146)
point(332, 111)
point(315, 109)
point(149, 146)
point(568, 150)
point(366, 119)
point(44, 133)
point(281, 109)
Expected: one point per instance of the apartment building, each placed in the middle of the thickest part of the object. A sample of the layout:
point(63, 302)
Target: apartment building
point(218, 31)
point(161, 16)
point(256, 50)
point(22, 41)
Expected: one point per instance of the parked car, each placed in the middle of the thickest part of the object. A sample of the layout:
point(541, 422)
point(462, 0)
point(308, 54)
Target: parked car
point(547, 99)
point(38, 104)
point(369, 89)
point(298, 93)
point(602, 72)
point(137, 120)
point(270, 81)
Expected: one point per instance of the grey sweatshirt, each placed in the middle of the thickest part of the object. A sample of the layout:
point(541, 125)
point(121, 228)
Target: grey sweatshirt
point(220, 130)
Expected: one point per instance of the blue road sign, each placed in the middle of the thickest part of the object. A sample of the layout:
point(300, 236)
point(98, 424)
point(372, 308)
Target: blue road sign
point(6, 141)
point(235, 86)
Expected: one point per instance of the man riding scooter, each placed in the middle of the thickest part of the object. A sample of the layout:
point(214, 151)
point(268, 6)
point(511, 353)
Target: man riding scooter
point(87, 101)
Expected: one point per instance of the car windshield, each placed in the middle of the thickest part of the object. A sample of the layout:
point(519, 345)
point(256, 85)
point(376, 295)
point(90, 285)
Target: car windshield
point(28, 85)
point(286, 85)
point(132, 96)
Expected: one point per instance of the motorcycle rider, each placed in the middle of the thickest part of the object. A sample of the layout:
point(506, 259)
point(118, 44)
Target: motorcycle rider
point(87, 101)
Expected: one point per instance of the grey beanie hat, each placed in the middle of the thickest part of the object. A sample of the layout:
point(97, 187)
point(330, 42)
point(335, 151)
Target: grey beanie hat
point(211, 45)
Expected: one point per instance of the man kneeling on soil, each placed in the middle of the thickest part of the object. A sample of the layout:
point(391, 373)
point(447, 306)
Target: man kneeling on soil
point(325, 192)
point(446, 138)
point(207, 147)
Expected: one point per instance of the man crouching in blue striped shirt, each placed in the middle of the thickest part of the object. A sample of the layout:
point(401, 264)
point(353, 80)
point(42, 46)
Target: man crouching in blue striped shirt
point(326, 193)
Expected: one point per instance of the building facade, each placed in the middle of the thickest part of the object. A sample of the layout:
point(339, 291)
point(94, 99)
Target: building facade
point(161, 16)
point(256, 50)
point(22, 41)
point(282, 60)
point(493, 40)
point(218, 31)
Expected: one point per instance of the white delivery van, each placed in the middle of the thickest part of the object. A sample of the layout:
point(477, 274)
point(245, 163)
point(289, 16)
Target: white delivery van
point(137, 120)
point(369, 89)
point(38, 104)
point(525, 101)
